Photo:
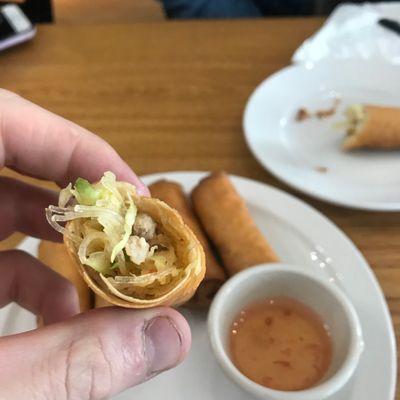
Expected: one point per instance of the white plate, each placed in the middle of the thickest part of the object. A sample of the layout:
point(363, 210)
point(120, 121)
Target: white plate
point(301, 236)
point(293, 151)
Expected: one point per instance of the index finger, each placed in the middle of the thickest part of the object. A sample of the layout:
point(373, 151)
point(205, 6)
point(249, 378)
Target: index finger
point(38, 143)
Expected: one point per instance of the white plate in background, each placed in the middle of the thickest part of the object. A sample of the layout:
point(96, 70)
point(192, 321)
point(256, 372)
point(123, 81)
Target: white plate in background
point(301, 236)
point(295, 151)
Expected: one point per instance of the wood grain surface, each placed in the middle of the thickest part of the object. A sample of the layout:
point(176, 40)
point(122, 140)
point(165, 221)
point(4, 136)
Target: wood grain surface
point(107, 11)
point(170, 96)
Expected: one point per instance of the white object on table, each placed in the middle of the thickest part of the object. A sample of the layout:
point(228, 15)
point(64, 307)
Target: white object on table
point(307, 155)
point(281, 279)
point(352, 32)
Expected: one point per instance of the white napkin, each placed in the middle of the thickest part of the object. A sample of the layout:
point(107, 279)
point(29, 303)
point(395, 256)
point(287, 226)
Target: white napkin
point(352, 32)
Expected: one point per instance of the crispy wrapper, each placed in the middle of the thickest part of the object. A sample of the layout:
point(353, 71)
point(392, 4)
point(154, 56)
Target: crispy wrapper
point(228, 223)
point(56, 257)
point(377, 128)
point(188, 250)
point(99, 302)
point(172, 194)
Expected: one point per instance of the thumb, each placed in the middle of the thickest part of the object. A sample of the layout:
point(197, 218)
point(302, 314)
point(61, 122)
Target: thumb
point(93, 355)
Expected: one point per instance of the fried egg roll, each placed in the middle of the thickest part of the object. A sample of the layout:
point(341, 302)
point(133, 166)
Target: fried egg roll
point(100, 302)
point(132, 251)
point(172, 194)
point(372, 127)
point(228, 223)
point(56, 256)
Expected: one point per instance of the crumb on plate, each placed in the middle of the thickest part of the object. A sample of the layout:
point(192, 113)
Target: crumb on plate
point(302, 114)
point(321, 169)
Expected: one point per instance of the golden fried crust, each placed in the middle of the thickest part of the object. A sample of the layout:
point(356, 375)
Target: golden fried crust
point(56, 257)
point(380, 130)
point(228, 223)
point(186, 245)
point(172, 194)
point(99, 302)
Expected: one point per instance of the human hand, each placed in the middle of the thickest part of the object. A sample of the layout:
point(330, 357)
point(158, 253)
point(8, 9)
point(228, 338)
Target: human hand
point(89, 356)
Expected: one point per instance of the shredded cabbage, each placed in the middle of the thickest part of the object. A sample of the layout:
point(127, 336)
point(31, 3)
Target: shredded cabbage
point(128, 224)
point(96, 259)
point(145, 280)
point(110, 213)
point(355, 116)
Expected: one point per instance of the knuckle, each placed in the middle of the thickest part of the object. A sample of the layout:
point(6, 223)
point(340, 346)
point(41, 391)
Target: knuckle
point(88, 373)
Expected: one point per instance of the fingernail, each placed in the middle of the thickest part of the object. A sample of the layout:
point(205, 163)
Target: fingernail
point(162, 344)
point(143, 190)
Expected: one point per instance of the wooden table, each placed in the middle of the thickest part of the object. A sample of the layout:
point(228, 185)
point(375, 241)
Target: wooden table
point(170, 96)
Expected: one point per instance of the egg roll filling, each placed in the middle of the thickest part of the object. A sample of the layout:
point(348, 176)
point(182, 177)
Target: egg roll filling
point(126, 247)
point(355, 117)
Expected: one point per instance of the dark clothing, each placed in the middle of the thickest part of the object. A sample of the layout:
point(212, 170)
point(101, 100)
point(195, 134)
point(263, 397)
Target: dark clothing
point(235, 8)
point(248, 8)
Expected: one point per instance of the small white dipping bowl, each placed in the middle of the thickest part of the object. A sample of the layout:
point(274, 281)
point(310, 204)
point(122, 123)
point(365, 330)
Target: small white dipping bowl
point(273, 280)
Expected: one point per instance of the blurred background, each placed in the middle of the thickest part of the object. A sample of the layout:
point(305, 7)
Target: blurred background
point(76, 11)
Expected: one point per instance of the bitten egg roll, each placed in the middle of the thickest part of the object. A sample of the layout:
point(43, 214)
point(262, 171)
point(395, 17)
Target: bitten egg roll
point(228, 223)
point(372, 127)
point(132, 251)
point(100, 302)
point(172, 194)
point(56, 256)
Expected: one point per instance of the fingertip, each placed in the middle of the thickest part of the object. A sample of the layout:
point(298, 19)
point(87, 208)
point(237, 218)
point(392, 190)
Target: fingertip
point(143, 190)
point(166, 341)
point(136, 345)
point(183, 328)
point(125, 173)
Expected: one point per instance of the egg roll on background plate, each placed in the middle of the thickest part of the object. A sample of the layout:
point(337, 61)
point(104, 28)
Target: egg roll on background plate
point(172, 194)
point(228, 223)
point(56, 256)
point(372, 127)
point(132, 251)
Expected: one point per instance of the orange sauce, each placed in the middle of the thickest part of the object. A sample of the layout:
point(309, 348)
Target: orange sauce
point(281, 343)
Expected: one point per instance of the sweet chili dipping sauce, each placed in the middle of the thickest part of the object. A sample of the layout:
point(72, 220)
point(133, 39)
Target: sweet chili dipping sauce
point(281, 343)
